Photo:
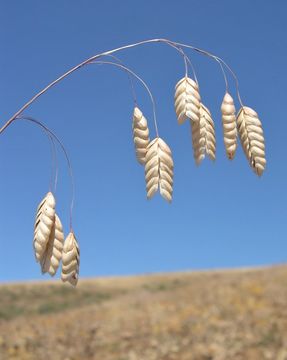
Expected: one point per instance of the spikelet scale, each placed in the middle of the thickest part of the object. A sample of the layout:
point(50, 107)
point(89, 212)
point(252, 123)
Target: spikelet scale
point(70, 260)
point(252, 138)
point(44, 223)
point(187, 100)
point(229, 125)
point(159, 169)
point(140, 135)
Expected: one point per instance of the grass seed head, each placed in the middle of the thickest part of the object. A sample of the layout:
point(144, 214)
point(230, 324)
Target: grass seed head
point(159, 169)
point(140, 135)
point(70, 260)
point(53, 253)
point(203, 136)
point(229, 125)
point(252, 138)
point(44, 223)
point(187, 100)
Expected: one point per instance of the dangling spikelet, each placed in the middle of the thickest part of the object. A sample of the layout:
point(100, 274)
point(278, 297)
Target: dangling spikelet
point(53, 253)
point(229, 125)
point(187, 100)
point(140, 135)
point(70, 260)
point(210, 141)
point(44, 223)
point(252, 138)
point(203, 136)
point(159, 169)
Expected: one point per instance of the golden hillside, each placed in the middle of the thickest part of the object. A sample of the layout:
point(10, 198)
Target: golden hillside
point(238, 314)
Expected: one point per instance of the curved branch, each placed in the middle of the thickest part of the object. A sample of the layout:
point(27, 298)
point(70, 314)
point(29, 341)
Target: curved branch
point(109, 52)
point(140, 79)
point(54, 171)
point(129, 76)
point(54, 136)
point(220, 61)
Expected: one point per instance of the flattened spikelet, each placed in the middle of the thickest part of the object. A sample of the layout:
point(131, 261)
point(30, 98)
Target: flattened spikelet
point(44, 223)
point(229, 125)
point(53, 253)
point(187, 100)
point(159, 169)
point(252, 138)
point(203, 136)
point(70, 260)
point(140, 135)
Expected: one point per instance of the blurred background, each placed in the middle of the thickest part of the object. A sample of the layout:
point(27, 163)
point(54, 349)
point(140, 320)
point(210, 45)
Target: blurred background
point(222, 215)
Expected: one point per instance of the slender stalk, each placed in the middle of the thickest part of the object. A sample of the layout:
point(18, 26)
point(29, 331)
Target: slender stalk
point(54, 168)
point(220, 62)
point(141, 80)
point(236, 80)
point(54, 136)
point(129, 76)
point(185, 58)
point(109, 52)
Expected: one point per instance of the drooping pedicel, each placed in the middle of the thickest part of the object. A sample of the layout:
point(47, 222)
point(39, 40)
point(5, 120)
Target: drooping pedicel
point(159, 169)
point(203, 136)
point(70, 260)
point(53, 253)
point(140, 135)
point(229, 125)
point(187, 100)
point(252, 138)
point(44, 223)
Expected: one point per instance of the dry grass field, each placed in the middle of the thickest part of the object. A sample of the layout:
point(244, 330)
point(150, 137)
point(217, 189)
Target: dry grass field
point(238, 314)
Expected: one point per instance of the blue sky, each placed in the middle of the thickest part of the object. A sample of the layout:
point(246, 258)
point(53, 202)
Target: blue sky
point(222, 214)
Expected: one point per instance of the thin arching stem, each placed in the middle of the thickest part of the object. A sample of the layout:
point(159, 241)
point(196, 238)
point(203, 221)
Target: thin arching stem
point(235, 78)
point(185, 58)
point(225, 79)
point(141, 80)
point(185, 65)
point(129, 76)
point(220, 61)
point(54, 168)
point(55, 137)
point(109, 52)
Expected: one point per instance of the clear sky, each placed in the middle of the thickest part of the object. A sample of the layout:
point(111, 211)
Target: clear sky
point(222, 214)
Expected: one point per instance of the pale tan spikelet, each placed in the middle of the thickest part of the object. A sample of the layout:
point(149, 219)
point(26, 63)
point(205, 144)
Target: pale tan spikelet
point(70, 260)
point(140, 135)
point(187, 100)
point(252, 138)
point(159, 169)
point(53, 253)
point(203, 136)
point(44, 223)
point(229, 125)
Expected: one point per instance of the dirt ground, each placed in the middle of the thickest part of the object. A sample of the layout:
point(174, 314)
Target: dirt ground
point(236, 314)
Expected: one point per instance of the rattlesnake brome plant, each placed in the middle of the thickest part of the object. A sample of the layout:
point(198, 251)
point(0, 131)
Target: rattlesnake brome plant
point(152, 152)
